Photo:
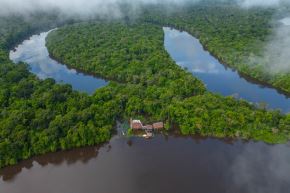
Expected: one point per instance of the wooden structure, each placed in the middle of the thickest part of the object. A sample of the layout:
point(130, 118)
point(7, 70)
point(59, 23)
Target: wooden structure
point(158, 125)
point(137, 125)
point(148, 127)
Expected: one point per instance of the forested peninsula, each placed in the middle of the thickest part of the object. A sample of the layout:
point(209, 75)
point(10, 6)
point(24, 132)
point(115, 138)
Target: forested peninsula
point(149, 85)
point(40, 116)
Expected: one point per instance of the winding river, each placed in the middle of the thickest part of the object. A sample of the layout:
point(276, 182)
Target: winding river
point(34, 52)
point(189, 53)
point(165, 163)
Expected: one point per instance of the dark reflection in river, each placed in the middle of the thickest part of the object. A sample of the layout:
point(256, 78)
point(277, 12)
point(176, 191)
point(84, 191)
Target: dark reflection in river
point(35, 54)
point(69, 157)
point(189, 53)
point(162, 164)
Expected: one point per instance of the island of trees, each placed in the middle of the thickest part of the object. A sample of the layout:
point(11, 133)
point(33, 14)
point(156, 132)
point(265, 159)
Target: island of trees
point(149, 85)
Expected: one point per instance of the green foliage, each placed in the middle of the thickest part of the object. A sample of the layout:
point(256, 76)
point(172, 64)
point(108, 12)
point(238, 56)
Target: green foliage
point(213, 115)
point(129, 132)
point(38, 116)
point(230, 33)
point(131, 54)
point(174, 96)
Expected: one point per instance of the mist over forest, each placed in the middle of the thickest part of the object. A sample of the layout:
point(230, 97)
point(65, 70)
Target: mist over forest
point(111, 7)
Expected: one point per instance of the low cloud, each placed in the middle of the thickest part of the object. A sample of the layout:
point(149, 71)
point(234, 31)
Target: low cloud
point(260, 3)
point(285, 21)
point(278, 49)
point(275, 55)
point(103, 7)
point(77, 7)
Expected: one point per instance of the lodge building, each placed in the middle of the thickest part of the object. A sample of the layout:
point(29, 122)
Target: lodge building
point(137, 125)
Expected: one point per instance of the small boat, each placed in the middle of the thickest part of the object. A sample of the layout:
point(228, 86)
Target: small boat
point(148, 134)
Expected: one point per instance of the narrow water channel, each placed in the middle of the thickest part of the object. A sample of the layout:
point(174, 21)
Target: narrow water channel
point(162, 164)
point(187, 52)
point(34, 52)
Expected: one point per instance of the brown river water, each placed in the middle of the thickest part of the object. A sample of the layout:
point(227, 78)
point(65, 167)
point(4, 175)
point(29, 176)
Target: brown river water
point(162, 164)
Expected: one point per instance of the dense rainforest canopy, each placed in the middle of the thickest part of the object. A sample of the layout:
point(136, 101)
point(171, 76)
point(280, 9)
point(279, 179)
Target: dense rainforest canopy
point(152, 86)
point(39, 116)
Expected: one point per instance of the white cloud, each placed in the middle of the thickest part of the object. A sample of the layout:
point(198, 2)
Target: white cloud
point(275, 55)
point(285, 21)
point(264, 3)
point(76, 7)
point(105, 7)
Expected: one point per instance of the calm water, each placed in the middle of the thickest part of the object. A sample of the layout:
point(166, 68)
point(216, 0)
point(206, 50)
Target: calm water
point(34, 53)
point(168, 164)
point(189, 53)
point(163, 164)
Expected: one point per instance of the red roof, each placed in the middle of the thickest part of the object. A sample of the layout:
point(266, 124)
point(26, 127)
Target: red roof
point(158, 125)
point(136, 126)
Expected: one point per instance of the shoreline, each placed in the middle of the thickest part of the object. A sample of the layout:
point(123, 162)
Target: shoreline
point(243, 75)
point(94, 74)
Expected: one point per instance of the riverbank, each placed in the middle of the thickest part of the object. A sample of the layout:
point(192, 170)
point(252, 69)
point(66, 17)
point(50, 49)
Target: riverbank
point(156, 89)
point(40, 116)
point(34, 52)
point(189, 53)
point(229, 35)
